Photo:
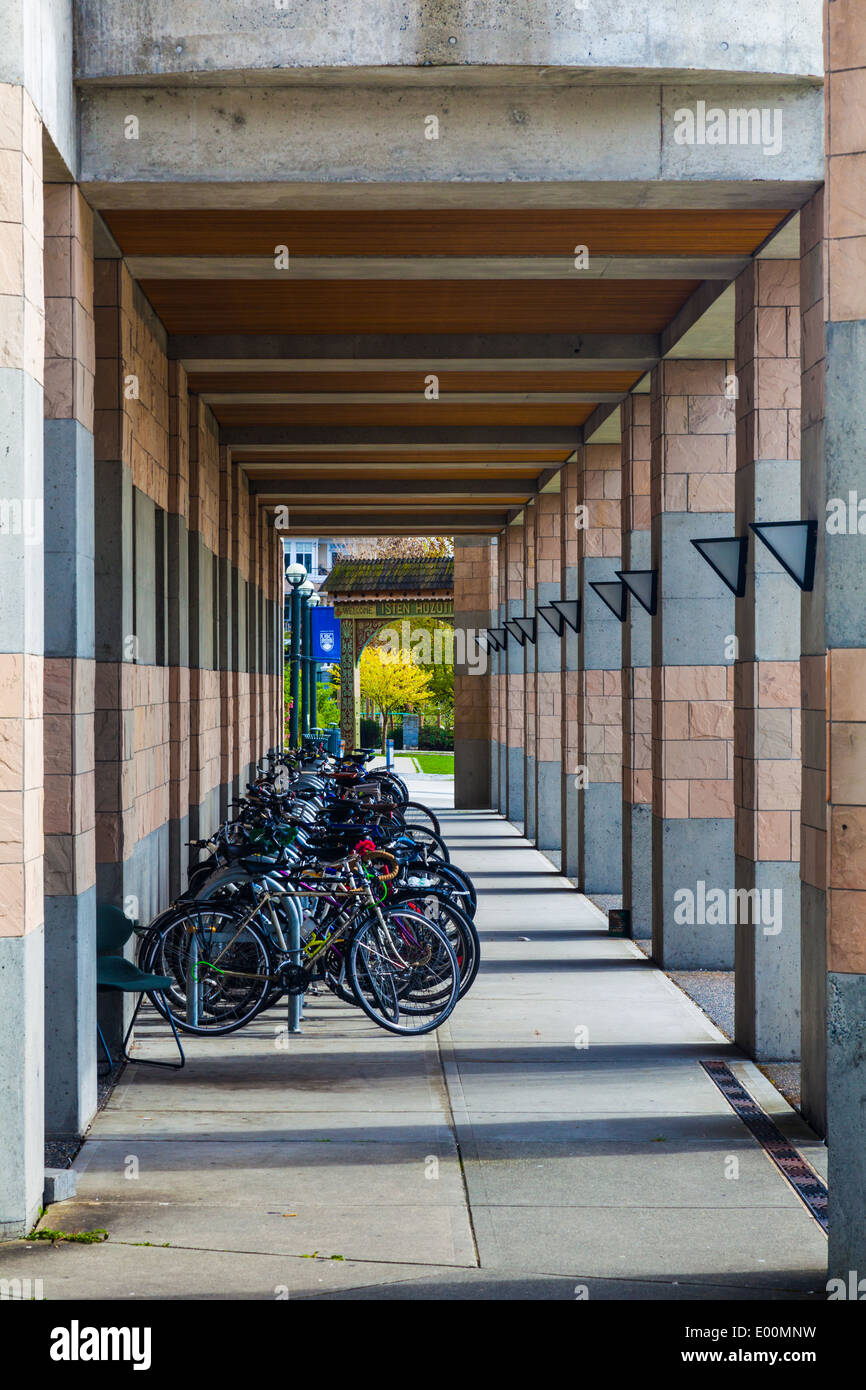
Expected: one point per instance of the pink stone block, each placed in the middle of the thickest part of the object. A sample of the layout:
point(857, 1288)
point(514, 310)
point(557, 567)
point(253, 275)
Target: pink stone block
point(710, 798)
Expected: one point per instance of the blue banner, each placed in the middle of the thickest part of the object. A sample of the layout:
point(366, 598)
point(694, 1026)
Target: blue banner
point(326, 635)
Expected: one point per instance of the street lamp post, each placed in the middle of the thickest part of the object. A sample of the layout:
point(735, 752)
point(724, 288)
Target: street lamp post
point(295, 575)
point(304, 591)
point(312, 602)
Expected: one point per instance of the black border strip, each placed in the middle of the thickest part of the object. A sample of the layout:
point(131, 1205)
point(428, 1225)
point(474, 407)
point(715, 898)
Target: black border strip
point(808, 1186)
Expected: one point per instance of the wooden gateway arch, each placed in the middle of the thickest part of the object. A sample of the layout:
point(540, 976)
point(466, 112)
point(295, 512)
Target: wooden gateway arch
point(369, 595)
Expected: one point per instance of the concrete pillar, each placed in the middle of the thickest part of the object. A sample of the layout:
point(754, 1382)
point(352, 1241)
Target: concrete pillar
point(474, 611)
point(204, 706)
point(178, 627)
point(502, 672)
point(529, 694)
point(569, 675)
point(833, 480)
point(548, 679)
point(600, 707)
point(515, 712)
point(692, 494)
point(69, 677)
point(225, 636)
point(492, 665)
point(767, 672)
point(816, 487)
point(636, 672)
point(21, 663)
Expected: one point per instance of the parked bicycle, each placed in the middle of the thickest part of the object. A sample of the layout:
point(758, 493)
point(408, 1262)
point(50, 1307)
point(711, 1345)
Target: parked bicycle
point(318, 876)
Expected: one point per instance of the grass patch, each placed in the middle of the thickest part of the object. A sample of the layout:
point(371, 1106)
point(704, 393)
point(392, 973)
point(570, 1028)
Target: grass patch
point(80, 1237)
point(435, 762)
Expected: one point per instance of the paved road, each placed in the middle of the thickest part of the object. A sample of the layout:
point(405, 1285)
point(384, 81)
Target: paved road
point(496, 1159)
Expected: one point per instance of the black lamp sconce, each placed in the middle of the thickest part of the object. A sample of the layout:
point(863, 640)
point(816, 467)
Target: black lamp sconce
point(727, 556)
point(794, 544)
point(614, 594)
point(642, 585)
point(569, 609)
point(516, 632)
point(559, 612)
point(552, 617)
point(527, 627)
point(498, 638)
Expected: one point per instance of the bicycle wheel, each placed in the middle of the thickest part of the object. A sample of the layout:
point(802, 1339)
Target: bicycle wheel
point(415, 814)
point(392, 787)
point(461, 932)
point(220, 968)
point(423, 835)
point(404, 971)
point(461, 887)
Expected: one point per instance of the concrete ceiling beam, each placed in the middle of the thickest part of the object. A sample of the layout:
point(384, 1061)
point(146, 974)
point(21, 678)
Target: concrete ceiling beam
point(261, 145)
point(437, 267)
point(529, 436)
point(481, 489)
point(424, 352)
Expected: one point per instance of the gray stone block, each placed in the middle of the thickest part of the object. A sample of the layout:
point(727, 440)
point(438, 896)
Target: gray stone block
point(686, 855)
point(846, 1087)
point(59, 1185)
point(601, 852)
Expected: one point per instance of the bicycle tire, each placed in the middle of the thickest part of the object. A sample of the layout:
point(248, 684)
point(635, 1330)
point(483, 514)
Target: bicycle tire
point(459, 928)
point(228, 1000)
point(420, 957)
point(415, 813)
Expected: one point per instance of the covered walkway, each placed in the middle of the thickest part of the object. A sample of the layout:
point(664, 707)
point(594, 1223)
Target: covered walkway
point(558, 1139)
point(584, 291)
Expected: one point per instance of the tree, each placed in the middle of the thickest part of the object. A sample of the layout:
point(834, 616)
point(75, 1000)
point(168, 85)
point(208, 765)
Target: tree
point(392, 681)
point(440, 665)
point(395, 547)
point(327, 706)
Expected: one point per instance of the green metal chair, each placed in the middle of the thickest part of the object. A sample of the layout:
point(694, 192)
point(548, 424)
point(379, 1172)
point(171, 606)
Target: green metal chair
point(114, 972)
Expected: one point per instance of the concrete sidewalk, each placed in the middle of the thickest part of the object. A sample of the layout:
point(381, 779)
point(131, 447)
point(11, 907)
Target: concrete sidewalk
point(501, 1158)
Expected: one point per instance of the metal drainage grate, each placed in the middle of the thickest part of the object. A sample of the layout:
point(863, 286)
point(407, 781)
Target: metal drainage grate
point(803, 1178)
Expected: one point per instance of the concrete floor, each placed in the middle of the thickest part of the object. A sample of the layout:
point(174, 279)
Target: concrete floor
point(500, 1158)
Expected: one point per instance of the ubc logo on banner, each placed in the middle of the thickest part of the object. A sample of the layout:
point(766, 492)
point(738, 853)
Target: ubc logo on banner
point(326, 635)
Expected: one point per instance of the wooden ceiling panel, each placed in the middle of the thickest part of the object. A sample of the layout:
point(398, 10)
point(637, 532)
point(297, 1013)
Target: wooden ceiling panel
point(393, 306)
point(444, 231)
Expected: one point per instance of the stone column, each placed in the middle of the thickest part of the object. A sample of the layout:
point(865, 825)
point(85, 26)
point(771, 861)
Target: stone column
point(204, 703)
point(502, 671)
point(225, 639)
point(767, 673)
point(636, 672)
point(600, 709)
point(692, 494)
point(529, 694)
point(548, 679)
point(515, 713)
point(493, 666)
point(474, 598)
point(22, 352)
point(569, 675)
point(178, 627)
point(833, 480)
point(814, 843)
point(70, 812)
